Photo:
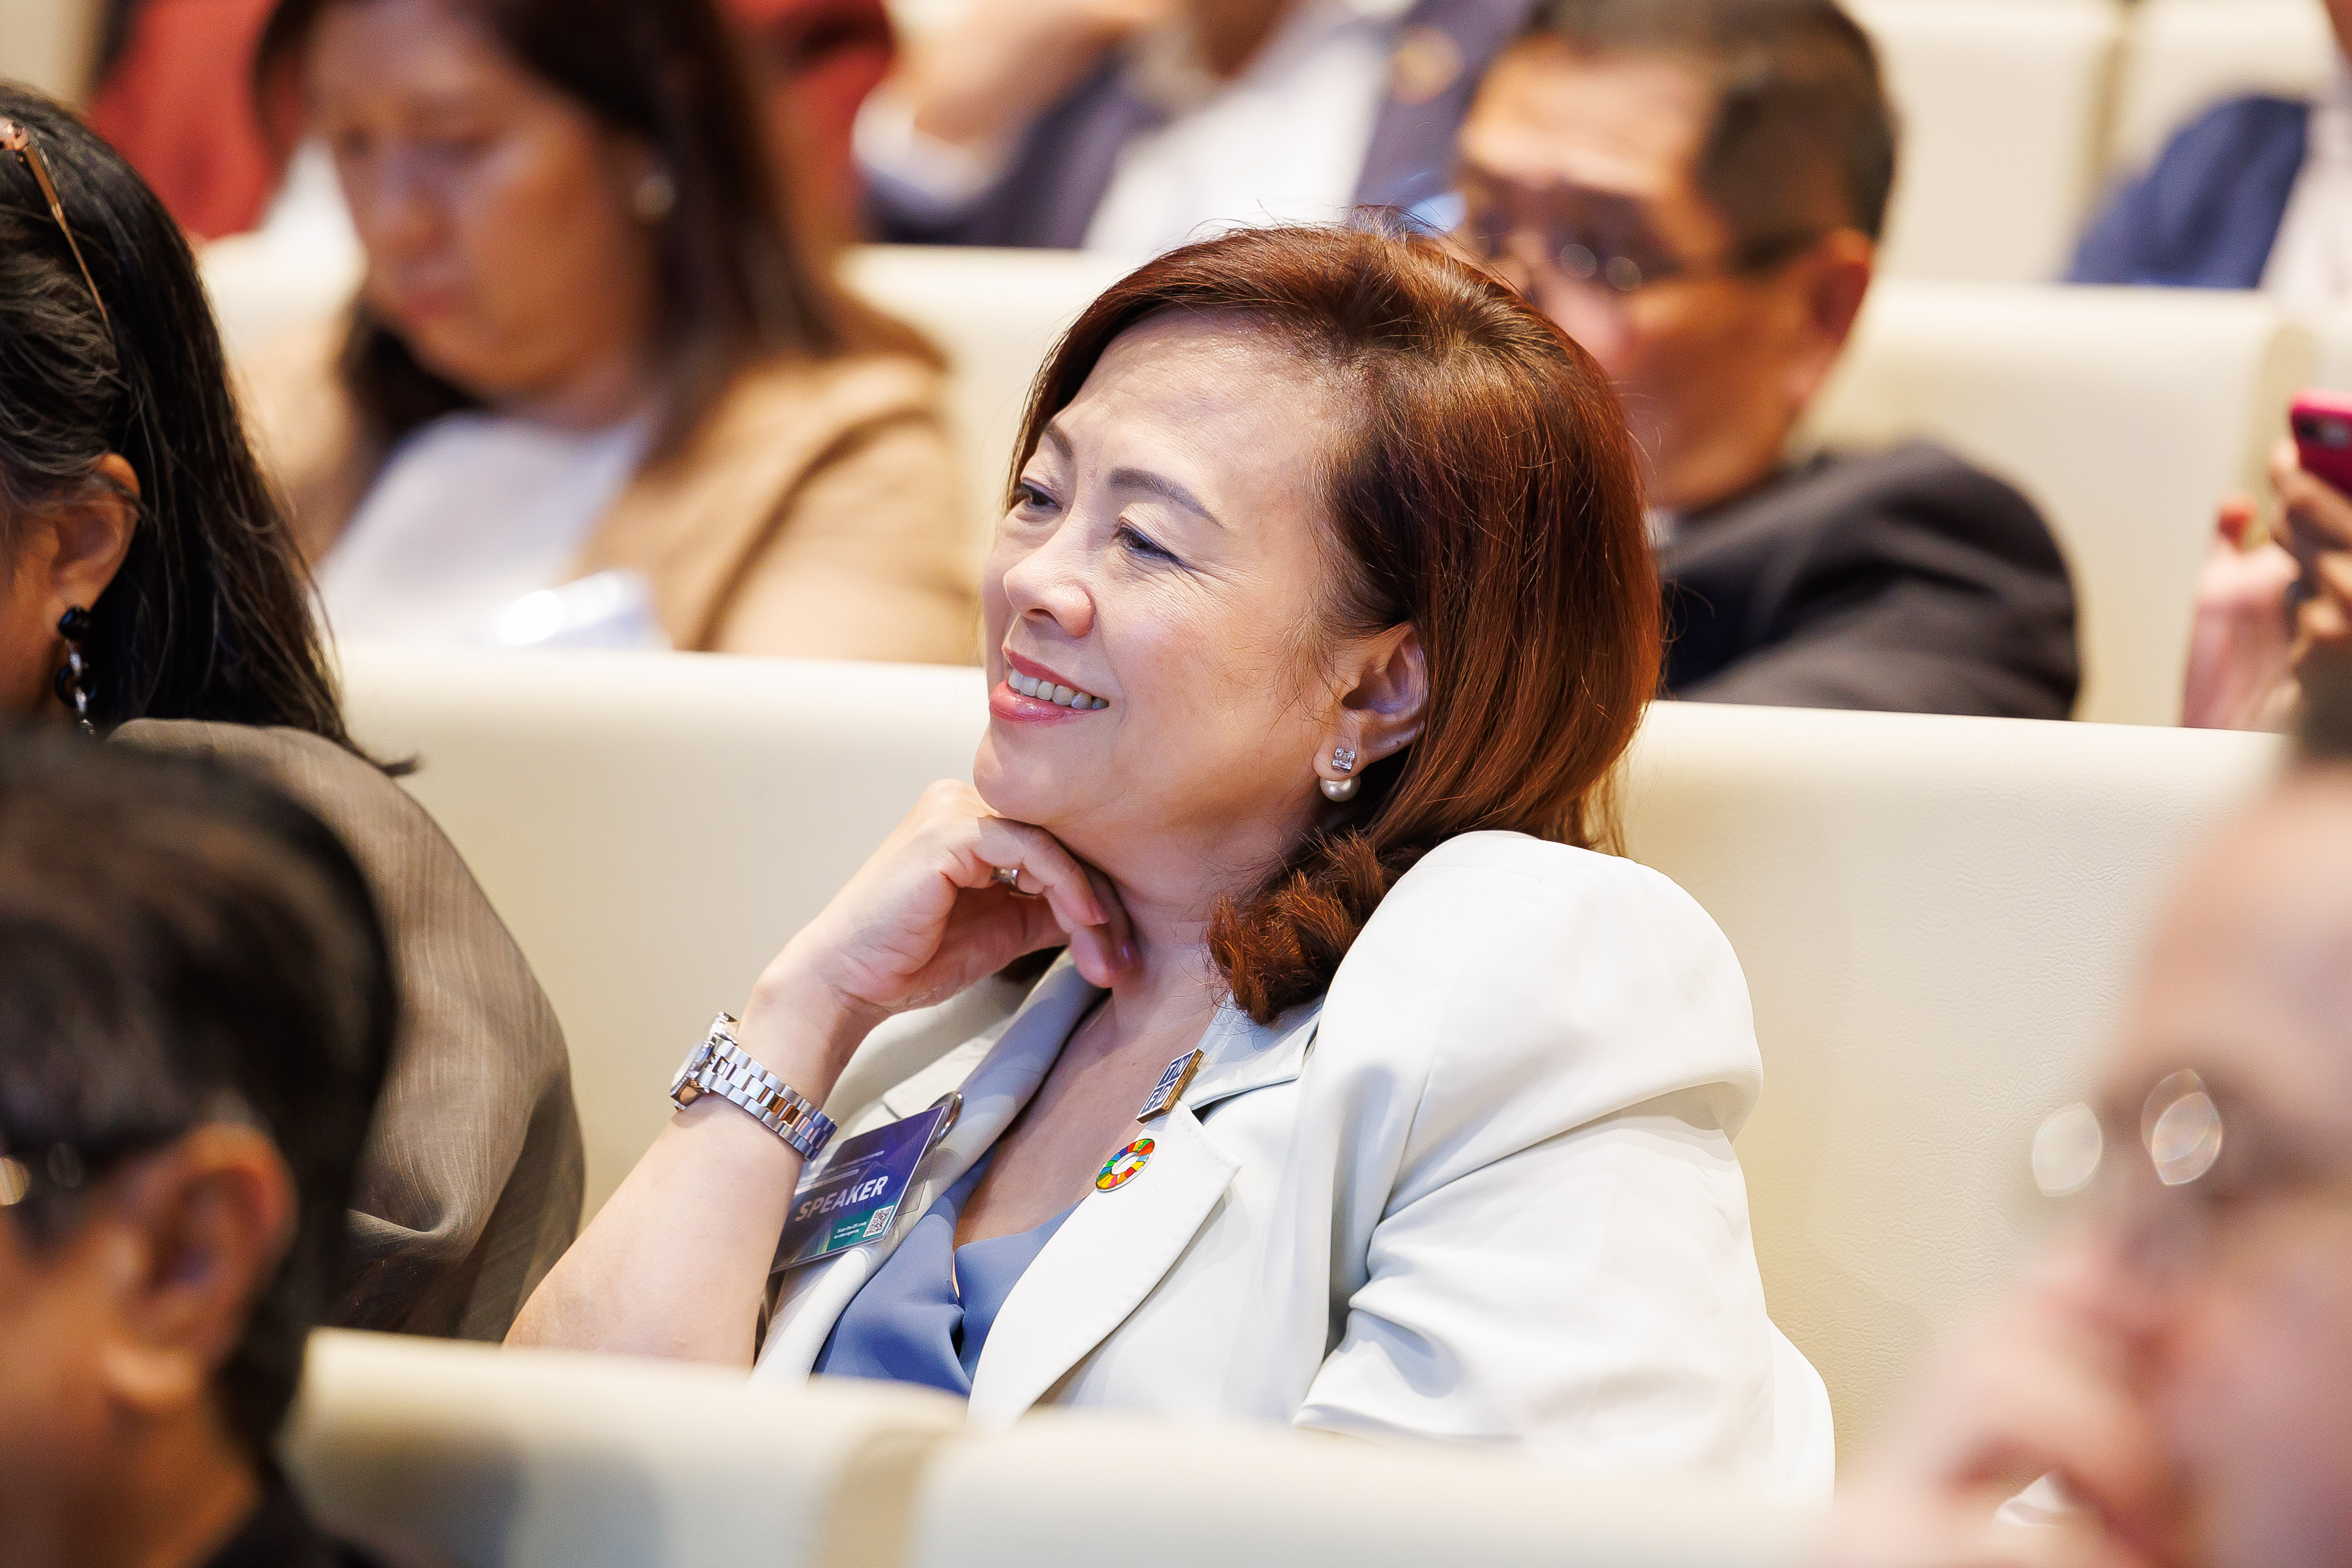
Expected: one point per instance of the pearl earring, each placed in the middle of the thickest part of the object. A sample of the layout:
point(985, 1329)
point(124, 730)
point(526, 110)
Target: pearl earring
point(655, 195)
point(1343, 763)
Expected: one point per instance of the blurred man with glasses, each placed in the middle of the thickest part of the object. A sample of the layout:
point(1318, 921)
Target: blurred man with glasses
point(2173, 1387)
point(1694, 190)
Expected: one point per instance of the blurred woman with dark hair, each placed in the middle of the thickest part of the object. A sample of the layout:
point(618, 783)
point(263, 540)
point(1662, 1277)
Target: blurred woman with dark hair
point(153, 594)
point(1369, 1097)
point(590, 350)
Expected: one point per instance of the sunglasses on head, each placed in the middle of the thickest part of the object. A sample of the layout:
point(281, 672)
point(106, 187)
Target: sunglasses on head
point(14, 138)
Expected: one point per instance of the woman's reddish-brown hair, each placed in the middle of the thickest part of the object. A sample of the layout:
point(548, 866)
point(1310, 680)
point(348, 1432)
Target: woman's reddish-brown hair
point(1483, 488)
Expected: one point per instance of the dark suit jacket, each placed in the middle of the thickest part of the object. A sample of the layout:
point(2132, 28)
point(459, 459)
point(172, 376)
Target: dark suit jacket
point(1065, 165)
point(2207, 212)
point(1904, 580)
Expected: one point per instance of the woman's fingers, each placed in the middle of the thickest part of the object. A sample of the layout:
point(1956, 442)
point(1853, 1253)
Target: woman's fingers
point(1081, 899)
point(1044, 866)
point(1105, 951)
point(2236, 517)
point(2239, 651)
point(2327, 615)
point(2316, 508)
point(1121, 929)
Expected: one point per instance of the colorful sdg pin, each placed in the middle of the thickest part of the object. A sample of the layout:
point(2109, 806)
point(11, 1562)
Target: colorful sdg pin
point(1123, 1167)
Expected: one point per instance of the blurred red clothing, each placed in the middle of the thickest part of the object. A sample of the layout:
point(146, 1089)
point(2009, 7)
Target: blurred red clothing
point(824, 57)
point(177, 101)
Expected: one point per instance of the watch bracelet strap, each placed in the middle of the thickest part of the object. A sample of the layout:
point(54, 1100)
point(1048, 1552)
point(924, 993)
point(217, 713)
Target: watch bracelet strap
point(732, 1074)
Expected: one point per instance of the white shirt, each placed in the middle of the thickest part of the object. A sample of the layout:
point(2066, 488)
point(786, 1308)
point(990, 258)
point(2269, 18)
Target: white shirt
point(472, 513)
point(1282, 141)
point(2310, 268)
point(1484, 1191)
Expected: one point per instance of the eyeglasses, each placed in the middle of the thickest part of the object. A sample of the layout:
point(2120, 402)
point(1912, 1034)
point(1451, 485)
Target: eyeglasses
point(2219, 1170)
point(38, 1184)
point(1599, 240)
point(13, 138)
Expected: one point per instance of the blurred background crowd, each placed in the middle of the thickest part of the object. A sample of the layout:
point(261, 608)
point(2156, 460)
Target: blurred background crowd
point(1977, 359)
point(615, 285)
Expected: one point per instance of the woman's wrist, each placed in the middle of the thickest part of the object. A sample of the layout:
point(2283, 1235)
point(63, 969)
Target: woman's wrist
point(802, 1029)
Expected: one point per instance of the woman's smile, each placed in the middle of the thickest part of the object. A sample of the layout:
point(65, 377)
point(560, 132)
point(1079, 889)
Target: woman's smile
point(1030, 693)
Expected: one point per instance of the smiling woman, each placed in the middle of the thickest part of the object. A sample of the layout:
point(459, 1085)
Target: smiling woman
point(1369, 1097)
point(591, 342)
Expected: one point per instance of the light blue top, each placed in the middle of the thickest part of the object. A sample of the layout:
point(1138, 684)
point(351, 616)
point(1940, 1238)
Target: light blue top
point(925, 1315)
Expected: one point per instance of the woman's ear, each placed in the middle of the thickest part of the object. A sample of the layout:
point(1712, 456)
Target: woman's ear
point(88, 535)
point(1382, 713)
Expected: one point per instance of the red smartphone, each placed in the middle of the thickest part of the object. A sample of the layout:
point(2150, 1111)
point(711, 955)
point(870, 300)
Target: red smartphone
point(2322, 423)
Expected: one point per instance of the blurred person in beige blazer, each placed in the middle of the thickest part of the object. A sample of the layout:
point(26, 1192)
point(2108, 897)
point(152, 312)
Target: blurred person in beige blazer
point(590, 347)
point(152, 596)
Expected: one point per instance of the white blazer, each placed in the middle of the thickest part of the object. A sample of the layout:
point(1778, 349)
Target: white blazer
point(1483, 1191)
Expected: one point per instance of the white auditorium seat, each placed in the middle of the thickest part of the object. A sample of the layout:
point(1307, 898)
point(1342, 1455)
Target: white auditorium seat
point(996, 313)
point(2182, 56)
point(653, 827)
point(2000, 108)
point(1939, 920)
point(48, 44)
point(1085, 1491)
point(496, 1458)
point(2333, 362)
point(1937, 916)
point(2125, 414)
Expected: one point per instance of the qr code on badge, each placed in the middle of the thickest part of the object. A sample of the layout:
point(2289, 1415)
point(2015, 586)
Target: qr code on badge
point(879, 1225)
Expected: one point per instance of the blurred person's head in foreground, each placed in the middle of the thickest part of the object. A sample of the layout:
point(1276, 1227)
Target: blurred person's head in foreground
point(130, 498)
point(1694, 190)
point(2179, 1360)
point(567, 206)
point(196, 1009)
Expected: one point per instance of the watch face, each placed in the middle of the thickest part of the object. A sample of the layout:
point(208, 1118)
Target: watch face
point(695, 1059)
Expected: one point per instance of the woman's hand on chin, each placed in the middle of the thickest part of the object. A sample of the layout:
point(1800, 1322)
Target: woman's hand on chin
point(926, 916)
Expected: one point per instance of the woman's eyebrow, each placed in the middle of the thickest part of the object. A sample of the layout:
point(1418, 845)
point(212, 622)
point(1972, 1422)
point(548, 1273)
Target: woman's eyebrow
point(1166, 489)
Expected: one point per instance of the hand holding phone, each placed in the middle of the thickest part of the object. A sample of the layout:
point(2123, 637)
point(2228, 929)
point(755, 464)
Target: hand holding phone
point(2322, 424)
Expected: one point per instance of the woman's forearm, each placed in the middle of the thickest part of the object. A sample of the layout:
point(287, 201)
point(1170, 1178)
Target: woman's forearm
point(675, 1263)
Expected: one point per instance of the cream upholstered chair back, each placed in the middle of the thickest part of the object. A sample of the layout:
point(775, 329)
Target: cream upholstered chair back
point(2125, 414)
point(654, 827)
point(1084, 1492)
point(2332, 363)
point(532, 1459)
point(2185, 56)
point(50, 44)
point(1940, 922)
point(2002, 107)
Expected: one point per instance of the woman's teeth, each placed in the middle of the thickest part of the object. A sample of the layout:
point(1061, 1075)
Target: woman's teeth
point(1046, 691)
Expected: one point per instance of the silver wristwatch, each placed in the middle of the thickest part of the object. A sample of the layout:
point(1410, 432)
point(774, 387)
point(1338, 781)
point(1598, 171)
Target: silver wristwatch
point(719, 1066)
